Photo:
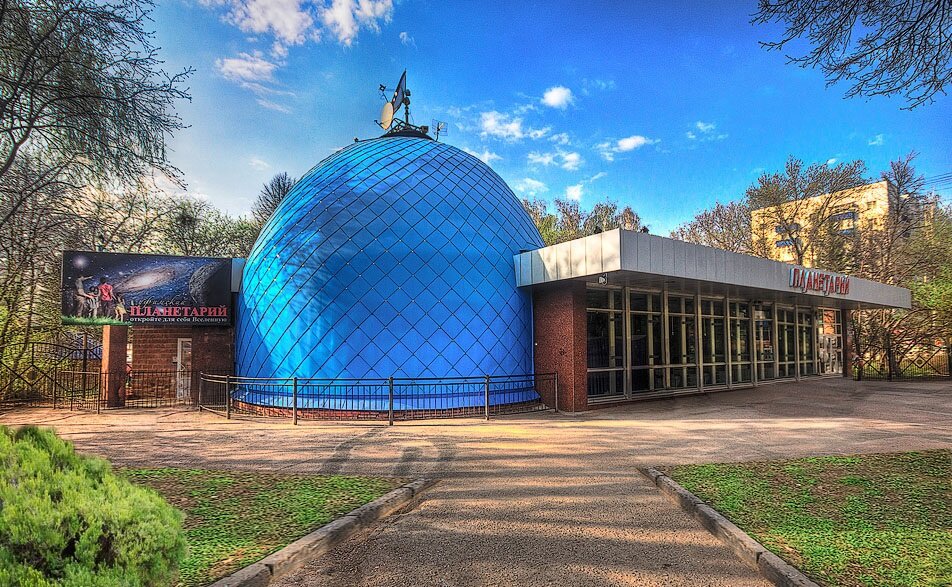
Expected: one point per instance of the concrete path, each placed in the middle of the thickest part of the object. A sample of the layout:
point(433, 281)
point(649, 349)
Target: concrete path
point(541, 499)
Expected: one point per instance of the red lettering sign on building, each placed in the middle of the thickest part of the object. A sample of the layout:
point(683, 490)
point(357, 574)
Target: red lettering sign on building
point(809, 280)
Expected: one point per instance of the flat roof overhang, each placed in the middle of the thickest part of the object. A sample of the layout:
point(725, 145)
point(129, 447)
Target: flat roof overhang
point(644, 260)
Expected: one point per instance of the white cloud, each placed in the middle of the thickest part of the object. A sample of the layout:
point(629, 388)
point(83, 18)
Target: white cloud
point(289, 21)
point(570, 161)
point(574, 192)
point(273, 106)
point(258, 164)
point(608, 149)
point(597, 176)
point(486, 156)
point(344, 18)
point(706, 130)
point(877, 140)
point(247, 67)
point(538, 133)
point(263, 90)
point(832, 161)
point(599, 84)
point(558, 97)
point(407, 40)
point(544, 159)
point(560, 139)
point(631, 143)
point(530, 186)
point(294, 22)
point(567, 160)
point(501, 126)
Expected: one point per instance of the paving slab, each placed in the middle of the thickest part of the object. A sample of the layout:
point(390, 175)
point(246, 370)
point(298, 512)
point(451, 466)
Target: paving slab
point(538, 499)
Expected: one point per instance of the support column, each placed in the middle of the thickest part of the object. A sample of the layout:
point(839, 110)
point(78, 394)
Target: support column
point(561, 343)
point(847, 342)
point(115, 341)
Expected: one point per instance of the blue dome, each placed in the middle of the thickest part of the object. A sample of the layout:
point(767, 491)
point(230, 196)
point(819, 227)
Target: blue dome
point(392, 257)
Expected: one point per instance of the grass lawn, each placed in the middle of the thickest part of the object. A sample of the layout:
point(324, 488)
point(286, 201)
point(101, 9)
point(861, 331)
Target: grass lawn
point(867, 520)
point(234, 518)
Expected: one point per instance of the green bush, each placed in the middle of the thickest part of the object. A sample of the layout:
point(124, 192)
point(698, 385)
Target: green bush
point(67, 520)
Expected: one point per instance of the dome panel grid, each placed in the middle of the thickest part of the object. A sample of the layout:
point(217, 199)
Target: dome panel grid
point(391, 257)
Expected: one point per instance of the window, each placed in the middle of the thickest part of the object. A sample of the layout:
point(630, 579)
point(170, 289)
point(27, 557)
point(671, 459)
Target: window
point(606, 348)
point(647, 341)
point(829, 333)
point(806, 341)
point(713, 342)
point(764, 347)
point(849, 215)
point(786, 343)
point(740, 342)
point(682, 342)
point(792, 227)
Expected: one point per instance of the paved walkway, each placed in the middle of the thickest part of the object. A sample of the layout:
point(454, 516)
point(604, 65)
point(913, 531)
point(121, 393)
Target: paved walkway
point(541, 499)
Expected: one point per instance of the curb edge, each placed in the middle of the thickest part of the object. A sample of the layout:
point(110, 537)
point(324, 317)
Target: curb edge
point(317, 543)
point(753, 553)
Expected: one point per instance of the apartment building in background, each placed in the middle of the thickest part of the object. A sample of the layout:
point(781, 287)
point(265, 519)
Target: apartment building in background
point(791, 228)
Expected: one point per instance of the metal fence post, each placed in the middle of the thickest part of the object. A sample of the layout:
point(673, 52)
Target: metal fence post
point(294, 393)
point(390, 396)
point(228, 397)
point(487, 397)
point(556, 391)
point(201, 386)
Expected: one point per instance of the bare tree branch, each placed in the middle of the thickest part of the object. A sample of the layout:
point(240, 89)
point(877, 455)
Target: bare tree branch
point(882, 47)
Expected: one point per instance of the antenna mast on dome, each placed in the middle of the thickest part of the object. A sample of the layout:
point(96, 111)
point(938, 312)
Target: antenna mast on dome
point(388, 115)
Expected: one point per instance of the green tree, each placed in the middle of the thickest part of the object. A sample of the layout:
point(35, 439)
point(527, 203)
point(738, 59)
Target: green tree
point(195, 227)
point(570, 221)
point(725, 226)
point(81, 81)
point(271, 196)
point(795, 206)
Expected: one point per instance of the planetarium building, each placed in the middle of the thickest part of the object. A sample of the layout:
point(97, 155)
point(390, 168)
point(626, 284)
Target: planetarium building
point(403, 263)
point(391, 258)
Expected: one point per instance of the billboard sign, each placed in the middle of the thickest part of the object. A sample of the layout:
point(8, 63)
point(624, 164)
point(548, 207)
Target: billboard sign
point(126, 288)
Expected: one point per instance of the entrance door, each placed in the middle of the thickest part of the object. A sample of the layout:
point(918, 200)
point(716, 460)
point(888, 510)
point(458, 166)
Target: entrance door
point(183, 376)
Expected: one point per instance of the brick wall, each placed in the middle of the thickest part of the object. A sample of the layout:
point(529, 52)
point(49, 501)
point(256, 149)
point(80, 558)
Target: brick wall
point(155, 349)
point(560, 340)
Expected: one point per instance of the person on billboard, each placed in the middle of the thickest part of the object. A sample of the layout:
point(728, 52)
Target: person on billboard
point(80, 297)
point(120, 312)
point(107, 298)
point(92, 303)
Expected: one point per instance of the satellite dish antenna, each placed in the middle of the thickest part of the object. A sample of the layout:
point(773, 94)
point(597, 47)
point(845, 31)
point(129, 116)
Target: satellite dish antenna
point(386, 115)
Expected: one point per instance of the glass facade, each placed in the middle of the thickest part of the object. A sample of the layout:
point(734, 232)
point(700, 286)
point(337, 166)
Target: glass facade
point(643, 341)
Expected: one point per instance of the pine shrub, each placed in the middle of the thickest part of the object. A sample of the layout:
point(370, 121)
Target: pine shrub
point(68, 520)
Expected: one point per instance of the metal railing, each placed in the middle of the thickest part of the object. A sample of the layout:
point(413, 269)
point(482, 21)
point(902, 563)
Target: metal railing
point(391, 399)
point(93, 390)
point(935, 363)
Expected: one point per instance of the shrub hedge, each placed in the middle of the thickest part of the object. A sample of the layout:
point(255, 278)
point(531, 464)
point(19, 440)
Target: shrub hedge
point(67, 520)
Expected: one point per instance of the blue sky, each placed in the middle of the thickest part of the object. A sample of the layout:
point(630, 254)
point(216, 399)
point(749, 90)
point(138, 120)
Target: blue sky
point(666, 107)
